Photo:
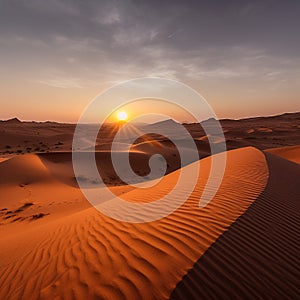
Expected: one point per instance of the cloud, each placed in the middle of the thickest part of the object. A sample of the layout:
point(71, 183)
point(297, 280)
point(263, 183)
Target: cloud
point(108, 18)
point(114, 40)
point(60, 82)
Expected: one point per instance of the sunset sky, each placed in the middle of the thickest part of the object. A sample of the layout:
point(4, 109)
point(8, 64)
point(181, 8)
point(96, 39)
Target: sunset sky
point(57, 55)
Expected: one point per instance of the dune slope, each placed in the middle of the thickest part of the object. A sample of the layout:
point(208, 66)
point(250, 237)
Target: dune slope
point(291, 153)
point(86, 255)
point(258, 256)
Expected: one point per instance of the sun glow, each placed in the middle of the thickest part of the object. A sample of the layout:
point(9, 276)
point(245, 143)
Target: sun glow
point(122, 116)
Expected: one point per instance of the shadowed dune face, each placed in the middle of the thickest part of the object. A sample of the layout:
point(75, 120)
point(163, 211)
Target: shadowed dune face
point(88, 255)
point(60, 164)
point(258, 256)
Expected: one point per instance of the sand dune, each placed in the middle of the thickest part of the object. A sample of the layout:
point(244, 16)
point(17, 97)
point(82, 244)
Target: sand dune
point(60, 164)
point(23, 169)
point(291, 153)
point(83, 254)
point(3, 159)
point(258, 256)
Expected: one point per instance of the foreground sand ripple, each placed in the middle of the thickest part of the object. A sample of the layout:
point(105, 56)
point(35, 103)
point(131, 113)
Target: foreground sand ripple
point(87, 255)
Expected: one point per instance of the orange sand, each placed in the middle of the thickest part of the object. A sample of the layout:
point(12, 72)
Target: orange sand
point(75, 252)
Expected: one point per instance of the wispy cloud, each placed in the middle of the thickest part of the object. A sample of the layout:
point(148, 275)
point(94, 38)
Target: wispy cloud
point(62, 83)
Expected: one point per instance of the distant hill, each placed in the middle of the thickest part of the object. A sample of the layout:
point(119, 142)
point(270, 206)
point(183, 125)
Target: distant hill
point(164, 123)
point(285, 116)
point(12, 121)
point(171, 122)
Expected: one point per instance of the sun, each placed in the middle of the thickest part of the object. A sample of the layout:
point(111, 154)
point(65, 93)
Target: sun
point(122, 116)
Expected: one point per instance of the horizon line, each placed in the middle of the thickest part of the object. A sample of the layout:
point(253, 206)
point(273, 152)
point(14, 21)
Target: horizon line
point(147, 123)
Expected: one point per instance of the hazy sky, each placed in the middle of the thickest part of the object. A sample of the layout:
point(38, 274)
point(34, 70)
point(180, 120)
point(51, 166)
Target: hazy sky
point(57, 55)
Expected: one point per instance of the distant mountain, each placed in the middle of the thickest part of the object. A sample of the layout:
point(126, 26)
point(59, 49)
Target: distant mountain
point(285, 116)
point(12, 121)
point(170, 123)
point(169, 128)
point(164, 123)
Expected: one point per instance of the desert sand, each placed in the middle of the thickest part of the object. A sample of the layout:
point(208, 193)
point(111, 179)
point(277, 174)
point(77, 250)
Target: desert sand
point(245, 243)
point(290, 153)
